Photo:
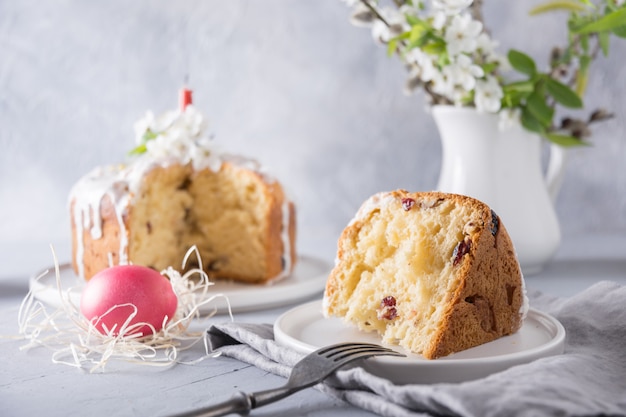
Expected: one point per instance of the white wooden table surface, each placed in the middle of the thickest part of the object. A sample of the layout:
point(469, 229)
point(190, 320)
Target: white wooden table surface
point(31, 385)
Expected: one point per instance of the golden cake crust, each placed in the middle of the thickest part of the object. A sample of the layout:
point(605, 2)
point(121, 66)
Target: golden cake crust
point(481, 299)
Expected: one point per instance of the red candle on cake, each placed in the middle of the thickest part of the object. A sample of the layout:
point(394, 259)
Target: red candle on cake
point(185, 98)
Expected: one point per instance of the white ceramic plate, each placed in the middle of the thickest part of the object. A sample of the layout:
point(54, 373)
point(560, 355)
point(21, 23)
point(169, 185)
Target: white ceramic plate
point(305, 329)
point(308, 278)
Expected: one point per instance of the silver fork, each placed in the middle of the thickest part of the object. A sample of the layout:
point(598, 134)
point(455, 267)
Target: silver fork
point(312, 369)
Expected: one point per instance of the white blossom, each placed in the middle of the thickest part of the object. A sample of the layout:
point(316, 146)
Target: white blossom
point(178, 135)
point(190, 123)
point(461, 35)
point(463, 72)
point(351, 3)
point(488, 96)
point(425, 65)
point(141, 126)
point(485, 45)
point(439, 20)
point(361, 15)
point(396, 24)
point(451, 7)
point(441, 85)
point(166, 147)
point(509, 118)
point(205, 154)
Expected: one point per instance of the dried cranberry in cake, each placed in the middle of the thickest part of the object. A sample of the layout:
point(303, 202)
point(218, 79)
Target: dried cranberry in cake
point(461, 250)
point(387, 309)
point(495, 223)
point(407, 203)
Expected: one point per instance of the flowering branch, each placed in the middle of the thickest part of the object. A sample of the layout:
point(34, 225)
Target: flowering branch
point(450, 55)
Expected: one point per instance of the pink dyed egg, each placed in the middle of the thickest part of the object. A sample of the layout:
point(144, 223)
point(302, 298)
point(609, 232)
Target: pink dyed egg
point(144, 288)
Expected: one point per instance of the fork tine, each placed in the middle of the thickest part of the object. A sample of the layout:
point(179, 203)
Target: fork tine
point(346, 352)
point(337, 349)
point(337, 356)
point(365, 354)
point(328, 351)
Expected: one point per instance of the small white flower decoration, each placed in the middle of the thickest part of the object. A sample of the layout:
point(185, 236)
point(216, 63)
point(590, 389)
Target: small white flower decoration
point(424, 64)
point(509, 118)
point(451, 7)
point(394, 26)
point(488, 95)
point(462, 72)
point(179, 136)
point(462, 34)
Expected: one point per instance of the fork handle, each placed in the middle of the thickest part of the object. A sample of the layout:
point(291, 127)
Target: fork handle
point(240, 403)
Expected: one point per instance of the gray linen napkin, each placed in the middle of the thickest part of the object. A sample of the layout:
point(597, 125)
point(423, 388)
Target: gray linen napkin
point(588, 379)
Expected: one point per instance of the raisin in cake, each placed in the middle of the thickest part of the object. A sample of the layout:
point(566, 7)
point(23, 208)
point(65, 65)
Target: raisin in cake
point(434, 272)
point(179, 192)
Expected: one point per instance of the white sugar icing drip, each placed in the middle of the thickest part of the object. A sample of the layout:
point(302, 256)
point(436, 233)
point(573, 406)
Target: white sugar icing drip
point(377, 201)
point(287, 261)
point(523, 310)
point(87, 196)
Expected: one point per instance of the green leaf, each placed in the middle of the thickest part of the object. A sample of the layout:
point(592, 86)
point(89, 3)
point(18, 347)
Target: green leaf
point(522, 62)
point(563, 94)
point(411, 19)
point(521, 87)
point(620, 31)
point(418, 31)
point(603, 41)
point(149, 135)
point(572, 6)
point(417, 42)
point(393, 42)
point(392, 46)
point(565, 140)
point(584, 42)
point(536, 104)
point(583, 75)
point(530, 122)
point(138, 150)
point(435, 47)
point(511, 100)
point(489, 67)
point(609, 21)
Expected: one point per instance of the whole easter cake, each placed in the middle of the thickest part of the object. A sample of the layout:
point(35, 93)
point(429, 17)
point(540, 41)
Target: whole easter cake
point(180, 191)
point(433, 272)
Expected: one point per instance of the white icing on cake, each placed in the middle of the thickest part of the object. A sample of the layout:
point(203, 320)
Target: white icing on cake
point(523, 310)
point(175, 137)
point(375, 202)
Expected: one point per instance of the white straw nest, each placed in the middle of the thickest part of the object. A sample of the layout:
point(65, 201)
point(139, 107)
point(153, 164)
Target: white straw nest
point(75, 341)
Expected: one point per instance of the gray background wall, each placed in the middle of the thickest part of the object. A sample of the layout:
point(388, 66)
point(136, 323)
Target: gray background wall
point(289, 82)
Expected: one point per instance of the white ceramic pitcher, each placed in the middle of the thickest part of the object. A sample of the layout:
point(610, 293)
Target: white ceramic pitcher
point(503, 169)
